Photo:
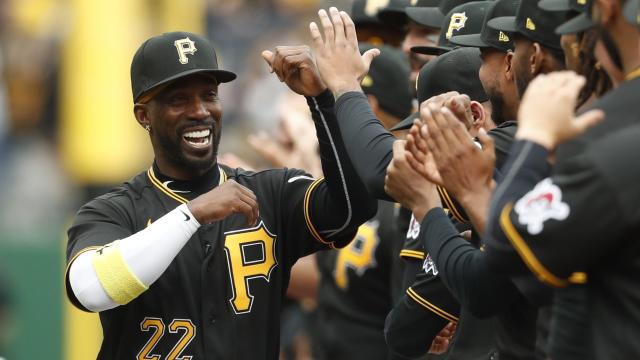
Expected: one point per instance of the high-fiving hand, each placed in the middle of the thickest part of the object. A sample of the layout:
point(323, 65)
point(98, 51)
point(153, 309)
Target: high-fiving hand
point(341, 66)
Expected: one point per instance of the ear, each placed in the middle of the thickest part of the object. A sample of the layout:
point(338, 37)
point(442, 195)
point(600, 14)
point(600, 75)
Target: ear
point(479, 115)
point(141, 112)
point(536, 59)
point(508, 66)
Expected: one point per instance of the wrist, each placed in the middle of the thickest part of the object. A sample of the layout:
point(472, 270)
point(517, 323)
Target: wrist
point(421, 208)
point(196, 211)
point(538, 136)
point(345, 87)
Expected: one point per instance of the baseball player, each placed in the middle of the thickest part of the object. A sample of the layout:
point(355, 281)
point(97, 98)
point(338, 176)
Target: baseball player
point(360, 282)
point(542, 216)
point(190, 258)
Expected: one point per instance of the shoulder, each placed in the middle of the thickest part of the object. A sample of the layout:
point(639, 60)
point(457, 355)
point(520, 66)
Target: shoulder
point(278, 175)
point(119, 199)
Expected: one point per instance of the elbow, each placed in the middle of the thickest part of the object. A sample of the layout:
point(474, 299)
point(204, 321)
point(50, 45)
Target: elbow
point(405, 341)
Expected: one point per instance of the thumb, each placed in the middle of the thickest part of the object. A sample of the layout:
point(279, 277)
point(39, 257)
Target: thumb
point(488, 146)
point(588, 119)
point(268, 56)
point(369, 55)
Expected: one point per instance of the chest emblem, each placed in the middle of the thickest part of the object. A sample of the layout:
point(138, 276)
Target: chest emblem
point(251, 255)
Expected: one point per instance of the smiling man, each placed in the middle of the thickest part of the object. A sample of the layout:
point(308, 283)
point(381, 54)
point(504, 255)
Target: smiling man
point(190, 258)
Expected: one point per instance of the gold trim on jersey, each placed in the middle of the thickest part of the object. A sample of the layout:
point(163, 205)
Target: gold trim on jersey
point(169, 192)
point(431, 307)
point(444, 194)
point(413, 254)
point(307, 217)
point(632, 75)
point(526, 253)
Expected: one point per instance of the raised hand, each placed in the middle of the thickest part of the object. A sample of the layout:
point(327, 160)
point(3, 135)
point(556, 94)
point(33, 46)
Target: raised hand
point(404, 185)
point(466, 169)
point(224, 200)
point(419, 156)
point(341, 66)
point(295, 67)
point(547, 111)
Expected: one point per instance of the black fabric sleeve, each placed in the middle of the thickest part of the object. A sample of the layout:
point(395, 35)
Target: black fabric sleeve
point(463, 268)
point(538, 220)
point(369, 145)
point(339, 203)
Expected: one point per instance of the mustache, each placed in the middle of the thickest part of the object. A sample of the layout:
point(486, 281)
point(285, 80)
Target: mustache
point(191, 123)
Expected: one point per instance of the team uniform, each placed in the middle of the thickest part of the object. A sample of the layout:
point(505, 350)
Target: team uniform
point(359, 284)
point(221, 296)
point(541, 215)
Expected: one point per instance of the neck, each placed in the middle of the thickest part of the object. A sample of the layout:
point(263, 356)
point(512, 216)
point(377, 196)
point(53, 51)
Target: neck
point(181, 172)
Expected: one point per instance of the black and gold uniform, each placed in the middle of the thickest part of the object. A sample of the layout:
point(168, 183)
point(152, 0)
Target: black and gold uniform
point(579, 216)
point(359, 284)
point(221, 296)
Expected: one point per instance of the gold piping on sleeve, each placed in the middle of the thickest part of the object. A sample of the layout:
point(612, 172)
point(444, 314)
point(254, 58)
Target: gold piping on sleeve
point(431, 307)
point(413, 254)
point(450, 204)
point(525, 252)
point(307, 217)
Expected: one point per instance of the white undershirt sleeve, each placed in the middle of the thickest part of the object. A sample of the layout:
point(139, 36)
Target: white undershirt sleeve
point(147, 254)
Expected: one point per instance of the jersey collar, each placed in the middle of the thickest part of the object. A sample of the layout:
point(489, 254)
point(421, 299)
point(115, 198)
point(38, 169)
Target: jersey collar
point(184, 190)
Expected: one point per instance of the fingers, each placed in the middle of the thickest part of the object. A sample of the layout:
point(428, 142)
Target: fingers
point(488, 145)
point(587, 120)
point(268, 56)
point(338, 25)
point(349, 28)
point(327, 27)
point(248, 207)
point(316, 37)
point(368, 57)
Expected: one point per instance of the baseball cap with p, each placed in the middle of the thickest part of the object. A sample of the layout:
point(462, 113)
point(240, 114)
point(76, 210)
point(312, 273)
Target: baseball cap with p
point(461, 20)
point(170, 56)
point(456, 70)
point(488, 37)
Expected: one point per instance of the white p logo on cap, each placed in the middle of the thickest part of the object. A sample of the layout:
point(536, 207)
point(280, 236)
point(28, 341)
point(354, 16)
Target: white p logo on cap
point(185, 46)
point(456, 23)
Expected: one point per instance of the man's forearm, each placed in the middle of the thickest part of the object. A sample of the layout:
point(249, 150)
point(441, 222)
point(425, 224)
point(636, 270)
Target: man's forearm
point(343, 202)
point(369, 145)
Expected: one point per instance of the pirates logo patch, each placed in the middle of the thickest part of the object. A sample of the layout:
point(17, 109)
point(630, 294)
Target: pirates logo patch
point(542, 203)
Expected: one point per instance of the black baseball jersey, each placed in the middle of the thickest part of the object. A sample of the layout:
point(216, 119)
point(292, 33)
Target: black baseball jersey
point(356, 290)
point(581, 216)
point(220, 298)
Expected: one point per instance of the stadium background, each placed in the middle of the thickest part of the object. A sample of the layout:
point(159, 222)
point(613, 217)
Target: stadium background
point(67, 132)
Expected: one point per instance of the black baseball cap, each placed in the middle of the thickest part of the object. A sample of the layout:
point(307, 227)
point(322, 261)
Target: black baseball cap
point(631, 12)
point(461, 20)
point(170, 56)
point(533, 23)
point(392, 13)
point(388, 81)
point(456, 70)
point(578, 23)
point(363, 12)
point(488, 37)
point(433, 17)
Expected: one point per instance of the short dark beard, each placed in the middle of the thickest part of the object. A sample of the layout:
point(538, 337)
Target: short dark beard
point(497, 105)
point(523, 78)
point(176, 157)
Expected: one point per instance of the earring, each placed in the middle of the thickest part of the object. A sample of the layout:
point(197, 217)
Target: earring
point(147, 127)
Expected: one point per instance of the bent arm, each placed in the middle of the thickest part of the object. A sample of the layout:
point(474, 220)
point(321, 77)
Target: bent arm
point(463, 268)
point(116, 273)
point(339, 203)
